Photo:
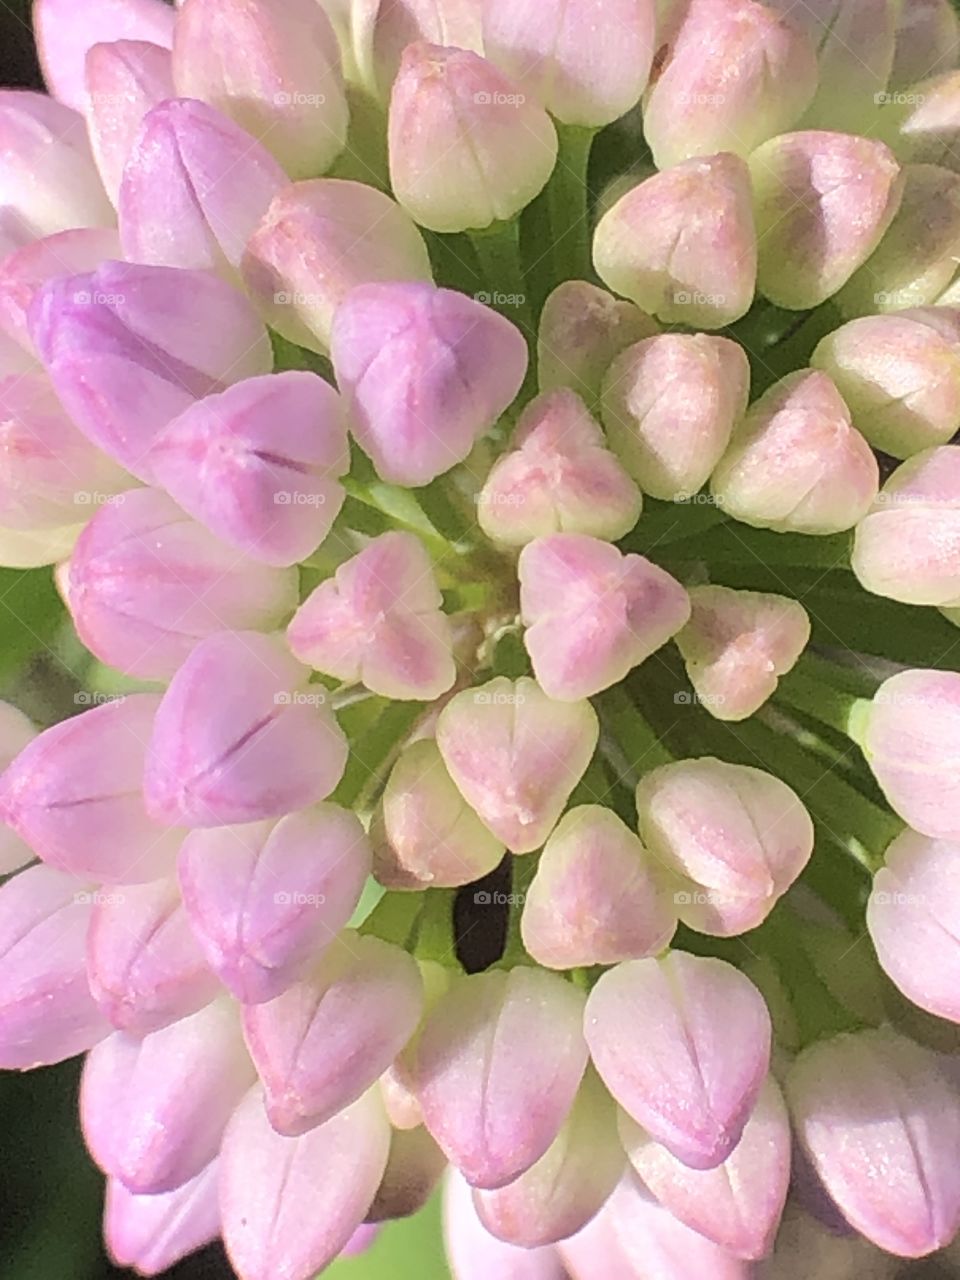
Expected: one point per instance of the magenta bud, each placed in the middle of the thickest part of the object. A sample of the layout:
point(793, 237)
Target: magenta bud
point(379, 620)
point(413, 1170)
point(424, 373)
point(238, 736)
point(682, 244)
point(265, 900)
point(259, 464)
point(152, 1233)
point(516, 755)
point(130, 347)
point(497, 1067)
point(316, 242)
point(593, 614)
point(75, 795)
point(290, 1205)
point(594, 899)
point(124, 80)
point(683, 1044)
point(582, 330)
point(669, 405)
point(928, 37)
point(474, 1254)
point(881, 1125)
point(145, 584)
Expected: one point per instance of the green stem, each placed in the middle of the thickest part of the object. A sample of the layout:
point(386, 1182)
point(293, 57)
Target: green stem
point(639, 748)
point(522, 871)
point(394, 918)
point(435, 939)
point(799, 690)
point(567, 201)
point(498, 252)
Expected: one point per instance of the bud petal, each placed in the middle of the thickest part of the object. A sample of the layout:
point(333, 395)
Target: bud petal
point(474, 1254)
point(380, 32)
point(928, 37)
point(683, 1044)
point(516, 755)
point(151, 1233)
point(413, 1170)
point(927, 120)
point(124, 79)
point(582, 329)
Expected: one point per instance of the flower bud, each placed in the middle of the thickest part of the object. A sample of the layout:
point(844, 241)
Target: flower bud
point(582, 329)
point(516, 755)
point(682, 244)
point(431, 836)
point(474, 1254)
point(737, 645)
point(683, 1044)
point(594, 899)
point(290, 1205)
point(145, 584)
point(881, 1125)
point(328, 1038)
point(124, 80)
point(928, 38)
point(151, 1233)
point(153, 1111)
point(379, 620)
point(194, 188)
point(822, 202)
point(33, 548)
point(593, 614)
point(316, 242)
point(274, 67)
point(899, 378)
point(424, 373)
point(259, 464)
point(738, 1204)
point(74, 794)
point(586, 68)
point(925, 128)
point(46, 1011)
point(497, 1067)
point(380, 30)
point(414, 1168)
point(737, 74)
point(796, 463)
point(499, 147)
point(130, 347)
point(669, 405)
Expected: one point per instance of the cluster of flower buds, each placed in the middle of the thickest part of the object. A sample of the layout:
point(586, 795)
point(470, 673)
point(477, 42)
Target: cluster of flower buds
point(514, 561)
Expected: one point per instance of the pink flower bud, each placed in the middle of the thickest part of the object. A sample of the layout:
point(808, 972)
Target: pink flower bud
point(330, 1036)
point(130, 347)
point(259, 464)
point(559, 477)
point(682, 244)
point(424, 373)
point(317, 241)
point(796, 463)
point(145, 584)
point(516, 755)
point(582, 329)
point(736, 646)
point(594, 899)
point(264, 900)
point(153, 1110)
point(497, 1067)
point(669, 406)
point(124, 80)
point(498, 146)
point(379, 621)
point(823, 201)
point(928, 36)
point(380, 30)
point(738, 1204)
point(237, 738)
point(683, 1044)
point(274, 67)
point(431, 836)
point(151, 1233)
point(194, 188)
point(587, 66)
point(290, 1205)
point(881, 1125)
point(413, 1170)
point(46, 1011)
point(737, 74)
point(474, 1254)
point(593, 614)
point(74, 794)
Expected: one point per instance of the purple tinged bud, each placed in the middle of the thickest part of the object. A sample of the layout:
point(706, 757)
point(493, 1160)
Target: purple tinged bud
point(124, 80)
point(582, 330)
point(499, 147)
point(881, 1125)
point(928, 42)
point(413, 1170)
point(379, 620)
point(259, 464)
point(424, 373)
point(497, 1067)
point(238, 737)
point(595, 899)
point(516, 755)
point(474, 1254)
point(669, 405)
point(152, 1233)
point(682, 244)
point(683, 1044)
point(265, 900)
point(593, 614)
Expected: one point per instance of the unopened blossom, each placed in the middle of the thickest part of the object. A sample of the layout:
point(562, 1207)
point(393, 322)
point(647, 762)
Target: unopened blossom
point(928, 123)
point(151, 1233)
point(927, 42)
point(474, 1252)
point(414, 1168)
point(374, 35)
